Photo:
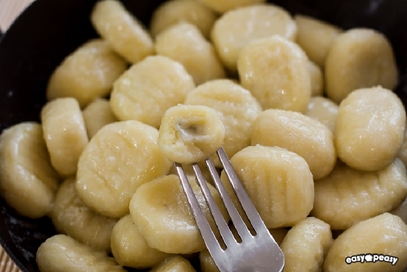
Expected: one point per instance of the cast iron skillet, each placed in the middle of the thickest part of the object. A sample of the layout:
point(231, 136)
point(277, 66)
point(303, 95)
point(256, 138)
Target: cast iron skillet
point(49, 30)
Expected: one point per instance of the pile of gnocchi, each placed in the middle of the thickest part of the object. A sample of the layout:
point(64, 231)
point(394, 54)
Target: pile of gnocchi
point(305, 111)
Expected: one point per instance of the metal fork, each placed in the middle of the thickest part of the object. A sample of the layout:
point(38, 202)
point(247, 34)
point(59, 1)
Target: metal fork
point(256, 251)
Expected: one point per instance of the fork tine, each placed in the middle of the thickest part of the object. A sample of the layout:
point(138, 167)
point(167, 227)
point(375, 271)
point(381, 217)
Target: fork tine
point(237, 220)
point(220, 222)
point(244, 199)
point(200, 218)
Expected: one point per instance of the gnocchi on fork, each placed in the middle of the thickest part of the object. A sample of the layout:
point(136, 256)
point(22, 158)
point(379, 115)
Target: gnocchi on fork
point(252, 248)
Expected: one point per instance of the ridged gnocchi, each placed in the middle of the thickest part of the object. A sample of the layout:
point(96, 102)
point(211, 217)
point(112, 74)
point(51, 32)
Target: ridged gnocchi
point(275, 71)
point(28, 182)
point(230, 34)
point(348, 196)
point(65, 133)
point(190, 133)
point(129, 247)
point(175, 11)
point(62, 253)
point(125, 34)
point(148, 88)
point(118, 159)
point(185, 43)
point(72, 217)
point(278, 181)
point(298, 133)
point(87, 73)
point(236, 107)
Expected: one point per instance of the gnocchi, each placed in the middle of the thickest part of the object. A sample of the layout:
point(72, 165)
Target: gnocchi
point(230, 34)
point(118, 159)
point(372, 140)
point(275, 71)
point(141, 93)
point(359, 58)
point(190, 133)
point(315, 134)
point(121, 30)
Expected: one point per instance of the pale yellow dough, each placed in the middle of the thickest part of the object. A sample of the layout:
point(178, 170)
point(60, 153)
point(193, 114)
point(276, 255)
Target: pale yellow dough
point(126, 35)
point(87, 73)
point(306, 245)
point(118, 159)
point(236, 107)
point(384, 234)
point(191, 11)
point(174, 264)
point(150, 87)
point(324, 110)
point(239, 27)
point(300, 134)
point(190, 133)
point(61, 253)
point(278, 181)
point(98, 114)
point(129, 247)
point(369, 128)
point(275, 71)
point(348, 196)
point(72, 217)
point(162, 214)
point(359, 58)
point(315, 37)
point(64, 133)
point(28, 182)
point(222, 6)
point(185, 43)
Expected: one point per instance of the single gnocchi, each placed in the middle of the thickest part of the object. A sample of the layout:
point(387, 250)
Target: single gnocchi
point(174, 11)
point(72, 217)
point(324, 110)
point(190, 133)
point(359, 58)
point(376, 244)
point(28, 182)
point(125, 34)
point(61, 253)
point(185, 43)
point(175, 263)
point(300, 134)
point(236, 106)
point(98, 114)
point(129, 247)
point(369, 128)
point(87, 73)
point(278, 181)
point(118, 159)
point(150, 87)
point(306, 245)
point(222, 6)
point(315, 37)
point(65, 133)
point(275, 71)
point(231, 33)
point(348, 196)
point(161, 212)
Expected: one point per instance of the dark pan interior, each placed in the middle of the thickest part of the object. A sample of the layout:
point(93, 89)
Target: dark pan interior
point(49, 30)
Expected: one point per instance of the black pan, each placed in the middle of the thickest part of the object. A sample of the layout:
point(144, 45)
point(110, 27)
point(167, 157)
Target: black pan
point(51, 29)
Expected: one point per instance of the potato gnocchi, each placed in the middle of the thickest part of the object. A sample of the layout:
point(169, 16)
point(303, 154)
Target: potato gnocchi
point(315, 133)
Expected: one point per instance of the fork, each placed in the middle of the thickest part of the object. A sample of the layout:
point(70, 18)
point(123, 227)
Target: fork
point(256, 251)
